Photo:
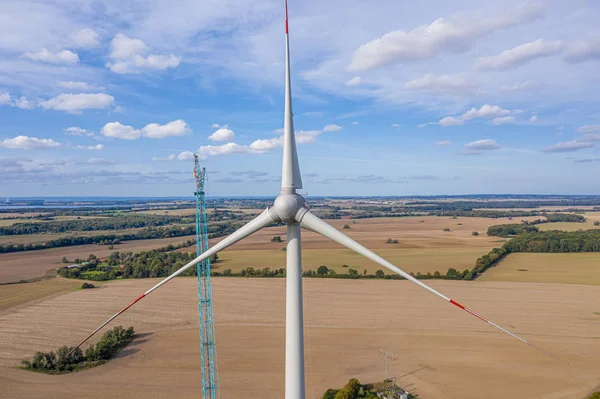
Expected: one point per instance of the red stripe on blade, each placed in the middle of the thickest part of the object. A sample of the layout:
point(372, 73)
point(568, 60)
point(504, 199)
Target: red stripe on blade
point(452, 301)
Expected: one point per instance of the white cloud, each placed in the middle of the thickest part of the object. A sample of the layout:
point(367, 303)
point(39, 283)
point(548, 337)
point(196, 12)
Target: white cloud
point(503, 120)
point(396, 125)
point(4, 98)
point(185, 156)
point(482, 145)
point(307, 136)
point(74, 103)
point(533, 119)
point(355, 81)
point(225, 149)
point(61, 57)
point(451, 84)
point(443, 143)
point(28, 143)
point(355, 123)
point(486, 111)
point(519, 55)
point(584, 50)
point(120, 131)
point(568, 146)
point(127, 56)
point(100, 161)
point(77, 131)
point(24, 103)
point(267, 144)
point(171, 129)
point(451, 36)
point(171, 157)
point(222, 134)
point(152, 131)
point(86, 38)
point(589, 129)
point(450, 121)
point(70, 85)
point(96, 147)
point(215, 125)
point(332, 128)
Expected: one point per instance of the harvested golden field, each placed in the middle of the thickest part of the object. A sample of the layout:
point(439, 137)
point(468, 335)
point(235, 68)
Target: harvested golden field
point(442, 352)
point(571, 268)
point(12, 295)
point(27, 265)
point(566, 226)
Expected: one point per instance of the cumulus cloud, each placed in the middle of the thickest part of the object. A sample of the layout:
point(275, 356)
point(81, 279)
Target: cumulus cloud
point(60, 57)
point(77, 131)
point(355, 81)
point(482, 145)
point(519, 55)
point(128, 56)
point(450, 121)
point(86, 38)
point(120, 131)
point(533, 119)
point(230, 148)
point(222, 134)
point(443, 36)
point(449, 84)
point(486, 111)
point(23, 103)
point(75, 103)
point(503, 120)
point(185, 156)
point(171, 129)
point(355, 123)
point(589, 138)
point(96, 147)
point(28, 143)
point(444, 143)
point(587, 49)
point(332, 128)
point(151, 131)
point(568, 146)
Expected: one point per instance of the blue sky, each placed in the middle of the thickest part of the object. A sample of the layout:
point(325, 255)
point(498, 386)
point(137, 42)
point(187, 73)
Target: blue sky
point(390, 97)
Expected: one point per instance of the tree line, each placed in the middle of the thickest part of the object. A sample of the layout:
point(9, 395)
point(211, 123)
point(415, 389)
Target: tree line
point(102, 223)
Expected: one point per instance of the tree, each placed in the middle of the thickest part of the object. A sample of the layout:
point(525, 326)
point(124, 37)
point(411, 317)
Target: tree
point(352, 273)
point(322, 270)
point(379, 273)
point(388, 241)
point(346, 227)
point(475, 233)
point(595, 395)
point(64, 259)
point(364, 272)
point(276, 239)
point(596, 223)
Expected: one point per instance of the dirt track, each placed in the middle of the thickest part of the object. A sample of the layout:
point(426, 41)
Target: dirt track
point(442, 352)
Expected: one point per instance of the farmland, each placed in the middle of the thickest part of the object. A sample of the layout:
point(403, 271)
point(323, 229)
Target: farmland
point(575, 268)
point(341, 341)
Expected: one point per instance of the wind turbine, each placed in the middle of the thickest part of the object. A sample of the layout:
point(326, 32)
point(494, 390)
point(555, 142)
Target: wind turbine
point(291, 208)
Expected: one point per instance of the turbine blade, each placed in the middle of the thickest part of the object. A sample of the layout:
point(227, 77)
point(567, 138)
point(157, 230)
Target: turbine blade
point(262, 220)
point(312, 222)
point(290, 173)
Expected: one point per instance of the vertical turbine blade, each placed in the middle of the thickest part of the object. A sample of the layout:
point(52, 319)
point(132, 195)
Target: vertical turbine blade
point(312, 222)
point(262, 220)
point(290, 174)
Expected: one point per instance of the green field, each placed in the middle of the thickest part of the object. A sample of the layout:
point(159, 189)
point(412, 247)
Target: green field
point(570, 268)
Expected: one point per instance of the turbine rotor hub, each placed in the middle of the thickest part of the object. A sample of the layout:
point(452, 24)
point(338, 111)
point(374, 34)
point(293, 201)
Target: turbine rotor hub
point(290, 207)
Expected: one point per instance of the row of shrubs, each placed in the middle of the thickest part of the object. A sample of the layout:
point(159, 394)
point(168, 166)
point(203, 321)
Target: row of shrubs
point(58, 362)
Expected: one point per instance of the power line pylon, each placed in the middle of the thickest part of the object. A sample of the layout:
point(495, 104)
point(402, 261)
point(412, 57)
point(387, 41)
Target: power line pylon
point(208, 348)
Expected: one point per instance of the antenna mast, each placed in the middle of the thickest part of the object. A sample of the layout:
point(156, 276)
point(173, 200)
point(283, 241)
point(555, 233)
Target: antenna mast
point(208, 348)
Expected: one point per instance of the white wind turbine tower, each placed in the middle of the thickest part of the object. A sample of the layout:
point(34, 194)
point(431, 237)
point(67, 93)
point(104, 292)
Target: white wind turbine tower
point(291, 208)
